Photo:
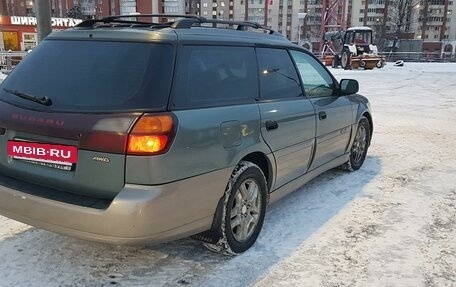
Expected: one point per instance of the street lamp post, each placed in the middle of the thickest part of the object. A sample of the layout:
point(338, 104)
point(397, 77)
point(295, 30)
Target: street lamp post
point(43, 18)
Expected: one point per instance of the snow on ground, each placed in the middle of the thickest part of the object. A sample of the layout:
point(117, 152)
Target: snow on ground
point(2, 77)
point(392, 223)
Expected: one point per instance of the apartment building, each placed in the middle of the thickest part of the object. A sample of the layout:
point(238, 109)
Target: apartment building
point(60, 8)
point(437, 21)
point(428, 20)
point(18, 22)
point(284, 16)
point(369, 14)
point(91, 9)
point(211, 9)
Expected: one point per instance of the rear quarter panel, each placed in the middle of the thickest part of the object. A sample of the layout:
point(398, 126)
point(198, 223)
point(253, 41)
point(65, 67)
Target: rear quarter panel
point(206, 140)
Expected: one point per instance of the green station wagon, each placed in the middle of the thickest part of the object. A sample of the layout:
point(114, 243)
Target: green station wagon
point(133, 132)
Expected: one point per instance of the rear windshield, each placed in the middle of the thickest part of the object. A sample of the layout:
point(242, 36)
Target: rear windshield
point(93, 76)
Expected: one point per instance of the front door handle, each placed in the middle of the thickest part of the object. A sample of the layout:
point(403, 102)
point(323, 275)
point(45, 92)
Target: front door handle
point(322, 115)
point(271, 125)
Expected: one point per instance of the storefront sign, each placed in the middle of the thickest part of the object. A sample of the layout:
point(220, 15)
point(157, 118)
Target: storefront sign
point(56, 22)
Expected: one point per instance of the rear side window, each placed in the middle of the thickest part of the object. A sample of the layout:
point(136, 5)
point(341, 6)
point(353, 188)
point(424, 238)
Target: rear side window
point(94, 75)
point(209, 76)
point(278, 77)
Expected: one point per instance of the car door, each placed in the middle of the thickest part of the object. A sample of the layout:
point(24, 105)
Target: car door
point(287, 117)
point(334, 114)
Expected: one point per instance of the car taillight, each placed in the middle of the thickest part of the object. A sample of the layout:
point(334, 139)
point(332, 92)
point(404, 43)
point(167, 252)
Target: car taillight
point(151, 134)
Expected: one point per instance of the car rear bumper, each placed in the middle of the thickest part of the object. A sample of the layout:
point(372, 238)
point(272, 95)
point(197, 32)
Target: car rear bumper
point(139, 214)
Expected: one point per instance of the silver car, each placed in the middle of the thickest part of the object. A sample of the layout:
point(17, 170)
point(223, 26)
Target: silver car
point(131, 132)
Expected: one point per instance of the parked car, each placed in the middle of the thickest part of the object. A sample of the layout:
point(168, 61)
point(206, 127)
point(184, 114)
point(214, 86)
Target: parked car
point(130, 132)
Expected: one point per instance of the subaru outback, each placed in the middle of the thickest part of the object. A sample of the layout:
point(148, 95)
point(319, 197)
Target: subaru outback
point(138, 132)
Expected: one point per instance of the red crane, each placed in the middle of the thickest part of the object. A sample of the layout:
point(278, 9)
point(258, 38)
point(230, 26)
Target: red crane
point(333, 18)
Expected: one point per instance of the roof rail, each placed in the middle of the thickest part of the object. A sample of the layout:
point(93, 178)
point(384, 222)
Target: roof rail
point(118, 20)
point(241, 25)
point(183, 22)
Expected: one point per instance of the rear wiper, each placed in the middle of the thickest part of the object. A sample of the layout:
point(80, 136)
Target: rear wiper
point(42, 100)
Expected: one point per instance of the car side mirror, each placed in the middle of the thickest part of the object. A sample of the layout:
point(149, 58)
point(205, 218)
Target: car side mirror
point(348, 86)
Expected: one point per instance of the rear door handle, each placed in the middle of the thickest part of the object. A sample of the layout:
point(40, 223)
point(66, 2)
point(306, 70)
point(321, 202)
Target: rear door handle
point(271, 125)
point(322, 115)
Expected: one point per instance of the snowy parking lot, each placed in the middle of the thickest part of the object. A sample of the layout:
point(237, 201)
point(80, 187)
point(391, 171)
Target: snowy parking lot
point(392, 223)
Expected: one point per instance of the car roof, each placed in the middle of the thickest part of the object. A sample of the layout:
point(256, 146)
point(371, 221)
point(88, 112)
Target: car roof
point(187, 28)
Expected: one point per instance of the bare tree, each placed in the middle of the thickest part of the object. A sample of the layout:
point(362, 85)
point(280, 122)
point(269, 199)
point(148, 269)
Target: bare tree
point(401, 15)
point(398, 19)
point(75, 12)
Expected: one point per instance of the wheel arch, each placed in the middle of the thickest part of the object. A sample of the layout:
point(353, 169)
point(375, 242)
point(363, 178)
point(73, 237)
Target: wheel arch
point(263, 162)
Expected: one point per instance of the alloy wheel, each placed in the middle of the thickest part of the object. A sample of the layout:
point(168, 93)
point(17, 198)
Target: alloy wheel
point(359, 144)
point(245, 212)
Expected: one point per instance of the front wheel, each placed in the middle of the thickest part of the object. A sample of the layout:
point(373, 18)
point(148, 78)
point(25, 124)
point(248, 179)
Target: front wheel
point(244, 209)
point(360, 145)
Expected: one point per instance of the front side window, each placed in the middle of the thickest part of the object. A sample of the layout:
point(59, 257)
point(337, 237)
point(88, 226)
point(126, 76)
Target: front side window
point(278, 77)
point(209, 76)
point(316, 80)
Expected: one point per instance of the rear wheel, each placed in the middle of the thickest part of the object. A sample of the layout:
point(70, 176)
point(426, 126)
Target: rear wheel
point(335, 62)
point(244, 209)
point(345, 61)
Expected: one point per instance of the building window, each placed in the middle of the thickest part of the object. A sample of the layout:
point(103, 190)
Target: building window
point(29, 40)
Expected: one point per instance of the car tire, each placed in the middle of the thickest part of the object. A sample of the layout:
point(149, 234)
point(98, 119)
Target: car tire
point(345, 61)
point(361, 143)
point(244, 208)
point(335, 62)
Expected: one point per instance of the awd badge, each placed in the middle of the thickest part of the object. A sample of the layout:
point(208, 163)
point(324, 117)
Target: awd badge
point(101, 159)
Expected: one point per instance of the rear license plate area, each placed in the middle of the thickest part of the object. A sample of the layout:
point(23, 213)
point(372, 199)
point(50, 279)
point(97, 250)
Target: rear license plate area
point(63, 157)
